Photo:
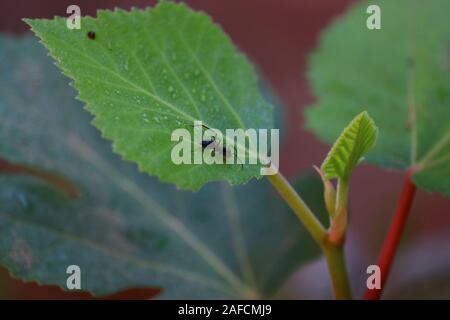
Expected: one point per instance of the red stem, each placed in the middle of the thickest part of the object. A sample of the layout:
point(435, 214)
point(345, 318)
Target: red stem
point(394, 234)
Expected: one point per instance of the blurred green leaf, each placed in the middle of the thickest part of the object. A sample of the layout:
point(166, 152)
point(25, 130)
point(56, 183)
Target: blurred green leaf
point(127, 229)
point(400, 74)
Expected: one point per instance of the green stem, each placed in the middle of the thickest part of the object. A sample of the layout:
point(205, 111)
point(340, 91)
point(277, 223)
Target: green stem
point(336, 233)
point(309, 220)
point(333, 254)
point(342, 193)
point(338, 271)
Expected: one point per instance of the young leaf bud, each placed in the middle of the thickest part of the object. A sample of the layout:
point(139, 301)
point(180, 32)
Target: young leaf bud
point(329, 193)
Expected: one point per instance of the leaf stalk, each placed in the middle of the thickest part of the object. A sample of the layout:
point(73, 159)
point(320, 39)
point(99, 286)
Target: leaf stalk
point(336, 233)
point(337, 268)
point(334, 254)
point(296, 203)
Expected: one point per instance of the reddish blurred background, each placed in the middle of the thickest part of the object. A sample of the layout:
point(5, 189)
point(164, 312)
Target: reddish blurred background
point(278, 36)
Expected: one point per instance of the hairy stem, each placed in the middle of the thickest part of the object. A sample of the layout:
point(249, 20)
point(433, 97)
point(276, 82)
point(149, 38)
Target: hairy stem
point(394, 234)
point(333, 254)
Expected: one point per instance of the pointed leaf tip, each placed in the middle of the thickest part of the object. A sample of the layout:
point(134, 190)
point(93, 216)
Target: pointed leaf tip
point(354, 142)
point(143, 76)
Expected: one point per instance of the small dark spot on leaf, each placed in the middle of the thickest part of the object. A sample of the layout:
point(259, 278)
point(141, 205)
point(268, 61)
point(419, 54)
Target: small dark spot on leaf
point(91, 35)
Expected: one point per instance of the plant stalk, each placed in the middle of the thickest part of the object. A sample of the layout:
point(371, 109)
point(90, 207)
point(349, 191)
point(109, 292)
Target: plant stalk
point(338, 271)
point(336, 233)
point(304, 214)
point(334, 254)
point(392, 239)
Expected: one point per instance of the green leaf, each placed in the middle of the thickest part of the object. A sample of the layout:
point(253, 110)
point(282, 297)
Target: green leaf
point(149, 72)
point(400, 74)
point(127, 229)
point(351, 146)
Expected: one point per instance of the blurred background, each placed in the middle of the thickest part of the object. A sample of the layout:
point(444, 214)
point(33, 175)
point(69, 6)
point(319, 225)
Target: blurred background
point(278, 36)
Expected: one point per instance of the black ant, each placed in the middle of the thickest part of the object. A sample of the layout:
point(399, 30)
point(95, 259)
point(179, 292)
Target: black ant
point(212, 143)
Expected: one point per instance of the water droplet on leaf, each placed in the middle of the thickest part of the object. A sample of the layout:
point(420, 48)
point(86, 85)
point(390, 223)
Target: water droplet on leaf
point(203, 96)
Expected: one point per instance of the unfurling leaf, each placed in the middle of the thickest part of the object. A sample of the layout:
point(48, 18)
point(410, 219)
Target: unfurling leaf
point(147, 73)
point(351, 146)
